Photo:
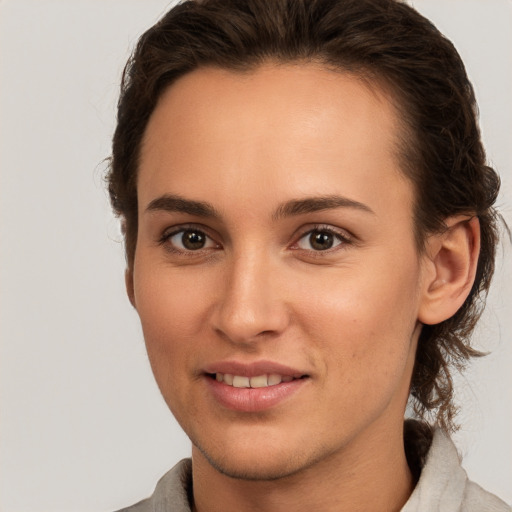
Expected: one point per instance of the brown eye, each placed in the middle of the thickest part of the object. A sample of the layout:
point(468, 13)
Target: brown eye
point(190, 240)
point(320, 240)
point(193, 240)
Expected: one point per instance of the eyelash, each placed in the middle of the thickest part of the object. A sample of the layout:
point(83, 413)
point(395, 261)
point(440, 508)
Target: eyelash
point(342, 237)
point(167, 235)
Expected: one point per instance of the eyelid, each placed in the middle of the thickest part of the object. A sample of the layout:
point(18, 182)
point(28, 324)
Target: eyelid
point(343, 236)
point(171, 231)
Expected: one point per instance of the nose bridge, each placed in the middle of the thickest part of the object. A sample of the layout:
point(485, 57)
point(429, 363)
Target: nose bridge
point(251, 304)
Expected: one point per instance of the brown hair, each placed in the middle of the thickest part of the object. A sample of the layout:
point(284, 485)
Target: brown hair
point(381, 40)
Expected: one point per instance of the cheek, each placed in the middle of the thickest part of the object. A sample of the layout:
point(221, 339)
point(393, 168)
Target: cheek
point(363, 323)
point(172, 309)
point(372, 304)
point(170, 300)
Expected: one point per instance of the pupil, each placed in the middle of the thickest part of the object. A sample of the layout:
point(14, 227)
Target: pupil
point(321, 241)
point(193, 240)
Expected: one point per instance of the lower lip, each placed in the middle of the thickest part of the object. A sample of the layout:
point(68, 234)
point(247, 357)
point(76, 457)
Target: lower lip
point(253, 399)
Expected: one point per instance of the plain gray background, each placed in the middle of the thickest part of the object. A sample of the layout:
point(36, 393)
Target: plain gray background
point(83, 426)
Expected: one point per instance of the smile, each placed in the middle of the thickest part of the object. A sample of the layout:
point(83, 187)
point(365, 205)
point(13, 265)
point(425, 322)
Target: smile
point(259, 381)
point(253, 394)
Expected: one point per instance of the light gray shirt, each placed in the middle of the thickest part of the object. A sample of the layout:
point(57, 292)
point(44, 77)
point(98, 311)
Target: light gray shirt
point(443, 487)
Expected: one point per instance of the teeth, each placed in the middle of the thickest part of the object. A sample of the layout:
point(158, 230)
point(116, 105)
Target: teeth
point(274, 379)
point(241, 382)
point(260, 381)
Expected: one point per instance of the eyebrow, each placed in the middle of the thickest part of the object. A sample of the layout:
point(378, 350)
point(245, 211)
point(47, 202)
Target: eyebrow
point(175, 203)
point(317, 204)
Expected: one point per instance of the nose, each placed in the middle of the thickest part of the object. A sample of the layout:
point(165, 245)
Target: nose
point(251, 306)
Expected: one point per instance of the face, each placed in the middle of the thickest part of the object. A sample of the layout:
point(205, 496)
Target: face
point(275, 273)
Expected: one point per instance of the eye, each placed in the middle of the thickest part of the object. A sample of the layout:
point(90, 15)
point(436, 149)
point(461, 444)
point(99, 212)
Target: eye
point(320, 239)
point(189, 239)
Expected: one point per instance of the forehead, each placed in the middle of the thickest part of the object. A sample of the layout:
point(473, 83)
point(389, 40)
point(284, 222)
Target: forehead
point(277, 130)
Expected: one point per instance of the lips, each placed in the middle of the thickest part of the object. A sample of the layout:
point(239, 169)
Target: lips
point(253, 387)
point(253, 369)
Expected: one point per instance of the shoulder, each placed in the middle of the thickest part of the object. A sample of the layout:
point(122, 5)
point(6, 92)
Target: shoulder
point(171, 492)
point(444, 485)
point(477, 499)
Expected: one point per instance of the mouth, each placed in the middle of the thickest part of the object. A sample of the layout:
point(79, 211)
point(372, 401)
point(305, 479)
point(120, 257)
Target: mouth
point(254, 387)
point(258, 381)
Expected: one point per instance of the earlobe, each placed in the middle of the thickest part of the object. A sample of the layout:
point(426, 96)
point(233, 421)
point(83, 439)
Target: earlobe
point(450, 269)
point(128, 280)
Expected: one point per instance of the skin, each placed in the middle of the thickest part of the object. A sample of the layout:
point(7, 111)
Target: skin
point(347, 317)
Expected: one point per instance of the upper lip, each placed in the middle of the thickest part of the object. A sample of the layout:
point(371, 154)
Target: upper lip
point(253, 369)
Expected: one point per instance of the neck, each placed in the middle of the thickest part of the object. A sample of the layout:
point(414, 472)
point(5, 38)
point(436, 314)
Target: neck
point(371, 474)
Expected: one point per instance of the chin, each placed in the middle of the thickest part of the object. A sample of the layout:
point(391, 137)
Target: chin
point(254, 470)
point(257, 461)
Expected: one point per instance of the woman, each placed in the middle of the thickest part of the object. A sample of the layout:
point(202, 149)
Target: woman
point(309, 229)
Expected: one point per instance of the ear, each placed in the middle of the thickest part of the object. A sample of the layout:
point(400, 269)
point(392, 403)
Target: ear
point(128, 281)
point(449, 269)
